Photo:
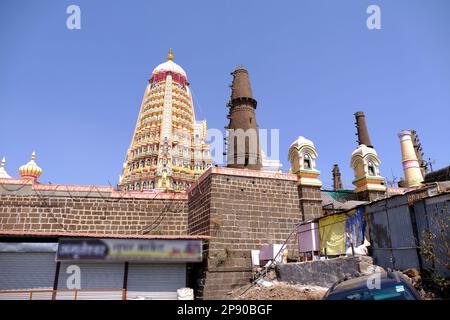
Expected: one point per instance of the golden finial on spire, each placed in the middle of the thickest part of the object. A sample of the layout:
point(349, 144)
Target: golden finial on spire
point(33, 156)
point(170, 55)
point(3, 162)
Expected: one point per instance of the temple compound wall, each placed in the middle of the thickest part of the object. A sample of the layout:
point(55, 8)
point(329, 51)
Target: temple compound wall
point(239, 209)
point(89, 209)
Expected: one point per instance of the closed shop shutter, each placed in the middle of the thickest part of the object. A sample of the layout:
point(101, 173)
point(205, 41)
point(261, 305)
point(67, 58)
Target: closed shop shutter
point(97, 281)
point(25, 271)
point(155, 281)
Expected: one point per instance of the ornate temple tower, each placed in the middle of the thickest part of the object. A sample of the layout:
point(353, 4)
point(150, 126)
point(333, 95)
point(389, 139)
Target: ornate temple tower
point(411, 166)
point(168, 149)
point(368, 179)
point(243, 138)
point(370, 184)
point(302, 156)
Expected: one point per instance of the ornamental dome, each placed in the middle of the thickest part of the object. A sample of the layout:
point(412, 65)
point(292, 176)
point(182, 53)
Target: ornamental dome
point(302, 141)
point(169, 65)
point(31, 169)
point(363, 151)
point(3, 173)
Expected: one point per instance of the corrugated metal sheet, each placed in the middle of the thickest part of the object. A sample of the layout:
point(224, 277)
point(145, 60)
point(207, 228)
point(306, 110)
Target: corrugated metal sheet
point(335, 200)
point(422, 224)
point(391, 234)
point(22, 271)
point(380, 239)
point(396, 231)
point(404, 246)
point(438, 214)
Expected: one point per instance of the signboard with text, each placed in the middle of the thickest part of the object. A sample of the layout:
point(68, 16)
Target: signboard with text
point(154, 250)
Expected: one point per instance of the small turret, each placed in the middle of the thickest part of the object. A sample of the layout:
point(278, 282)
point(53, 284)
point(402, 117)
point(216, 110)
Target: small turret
point(3, 173)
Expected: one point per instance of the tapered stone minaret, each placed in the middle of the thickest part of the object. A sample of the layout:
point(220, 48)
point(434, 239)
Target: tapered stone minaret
point(337, 182)
point(363, 133)
point(411, 166)
point(243, 138)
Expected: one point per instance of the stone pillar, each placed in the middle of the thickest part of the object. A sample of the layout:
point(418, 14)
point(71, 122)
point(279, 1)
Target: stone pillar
point(310, 201)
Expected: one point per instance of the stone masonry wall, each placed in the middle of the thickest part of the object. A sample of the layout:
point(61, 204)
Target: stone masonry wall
point(310, 201)
point(324, 272)
point(92, 214)
point(199, 204)
point(242, 213)
point(370, 195)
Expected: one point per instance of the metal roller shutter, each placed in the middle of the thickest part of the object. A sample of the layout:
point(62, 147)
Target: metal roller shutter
point(94, 275)
point(24, 271)
point(98, 281)
point(155, 281)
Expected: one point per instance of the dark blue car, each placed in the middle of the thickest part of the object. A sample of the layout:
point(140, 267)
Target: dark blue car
point(382, 286)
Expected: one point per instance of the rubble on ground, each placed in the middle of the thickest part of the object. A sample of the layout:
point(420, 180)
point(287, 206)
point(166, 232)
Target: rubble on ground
point(279, 291)
point(416, 281)
point(266, 286)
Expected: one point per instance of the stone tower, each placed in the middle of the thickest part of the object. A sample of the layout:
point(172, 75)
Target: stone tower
point(337, 182)
point(243, 138)
point(411, 166)
point(168, 149)
point(362, 132)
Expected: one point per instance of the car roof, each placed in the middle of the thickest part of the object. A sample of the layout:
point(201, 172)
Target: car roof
point(361, 282)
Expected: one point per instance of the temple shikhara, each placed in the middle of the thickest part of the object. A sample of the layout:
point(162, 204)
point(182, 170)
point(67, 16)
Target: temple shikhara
point(168, 149)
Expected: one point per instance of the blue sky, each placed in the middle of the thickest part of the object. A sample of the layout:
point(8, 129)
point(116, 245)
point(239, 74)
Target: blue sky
point(74, 95)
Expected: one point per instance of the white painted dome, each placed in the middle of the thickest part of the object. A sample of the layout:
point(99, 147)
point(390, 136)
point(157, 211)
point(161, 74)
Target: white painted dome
point(364, 150)
point(169, 65)
point(302, 141)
